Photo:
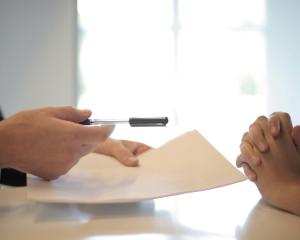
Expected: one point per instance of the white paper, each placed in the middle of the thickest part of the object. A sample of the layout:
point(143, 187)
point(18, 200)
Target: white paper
point(185, 164)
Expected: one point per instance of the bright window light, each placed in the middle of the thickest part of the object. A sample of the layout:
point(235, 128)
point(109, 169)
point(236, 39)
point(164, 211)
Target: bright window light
point(201, 63)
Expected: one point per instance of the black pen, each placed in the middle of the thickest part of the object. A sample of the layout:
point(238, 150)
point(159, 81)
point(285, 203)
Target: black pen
point(133, 122)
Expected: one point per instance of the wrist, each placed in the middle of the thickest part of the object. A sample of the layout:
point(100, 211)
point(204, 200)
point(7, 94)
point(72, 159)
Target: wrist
point(290, 196)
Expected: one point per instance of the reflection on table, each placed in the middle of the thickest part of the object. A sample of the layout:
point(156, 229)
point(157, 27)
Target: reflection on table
point(231, 212)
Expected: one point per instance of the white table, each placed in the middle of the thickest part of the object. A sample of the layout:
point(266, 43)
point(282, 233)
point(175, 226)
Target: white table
point(231, 212)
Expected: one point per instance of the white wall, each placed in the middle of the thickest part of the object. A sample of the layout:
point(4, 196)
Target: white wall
point(283, 56)
point(37, 53)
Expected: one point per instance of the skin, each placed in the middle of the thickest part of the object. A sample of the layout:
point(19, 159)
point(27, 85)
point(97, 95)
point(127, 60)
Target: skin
point(48, 142)
point(255, 138)
point(270, 157)
point(124, 151)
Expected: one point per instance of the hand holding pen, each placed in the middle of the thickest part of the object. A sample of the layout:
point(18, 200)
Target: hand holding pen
point(48, 142)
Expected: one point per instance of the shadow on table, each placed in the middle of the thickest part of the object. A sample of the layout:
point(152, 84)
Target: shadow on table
point(53, 212)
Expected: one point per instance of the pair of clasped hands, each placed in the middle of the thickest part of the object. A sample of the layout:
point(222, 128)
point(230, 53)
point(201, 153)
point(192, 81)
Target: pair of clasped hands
point(48, 142)
point(270, 157)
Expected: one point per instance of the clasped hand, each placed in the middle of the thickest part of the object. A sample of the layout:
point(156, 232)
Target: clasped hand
point(270, 157)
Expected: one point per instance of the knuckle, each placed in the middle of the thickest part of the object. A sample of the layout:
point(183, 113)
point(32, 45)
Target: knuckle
point(286, 116)
point(252, 126)
point(243, 148)
point(280, 115)
point(261, 119)
point(245, 136)
point(241, 145)
point(275, 113)
point(69, 108)
point(47, 109)
point(245, 153)
point(239, 161)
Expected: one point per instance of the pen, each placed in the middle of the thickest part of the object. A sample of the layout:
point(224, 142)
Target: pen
point(133, 122)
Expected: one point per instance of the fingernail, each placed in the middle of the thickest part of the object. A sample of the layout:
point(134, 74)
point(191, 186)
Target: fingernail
point(86, 111)
point(133, 160)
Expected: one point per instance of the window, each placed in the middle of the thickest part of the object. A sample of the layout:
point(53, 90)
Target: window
point(201, 63)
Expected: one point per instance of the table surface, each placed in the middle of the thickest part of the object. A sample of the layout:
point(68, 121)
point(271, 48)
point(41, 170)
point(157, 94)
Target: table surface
point(230, 212)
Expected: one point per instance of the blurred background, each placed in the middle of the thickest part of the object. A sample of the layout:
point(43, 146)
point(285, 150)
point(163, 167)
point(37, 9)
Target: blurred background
point(210, 65)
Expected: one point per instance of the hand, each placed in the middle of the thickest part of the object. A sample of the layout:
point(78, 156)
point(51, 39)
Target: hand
point(47, 142)
point(278, 174)
point(124, 151)
point(255, 138)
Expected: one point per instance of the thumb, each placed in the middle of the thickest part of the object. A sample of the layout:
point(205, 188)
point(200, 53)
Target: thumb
point(125, 156)
point(71, 114)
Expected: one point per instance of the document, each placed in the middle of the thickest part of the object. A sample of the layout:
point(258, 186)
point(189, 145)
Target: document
point(188, 163)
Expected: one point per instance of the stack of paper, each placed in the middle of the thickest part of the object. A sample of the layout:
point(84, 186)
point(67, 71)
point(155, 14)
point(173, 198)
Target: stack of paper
point(187, 163)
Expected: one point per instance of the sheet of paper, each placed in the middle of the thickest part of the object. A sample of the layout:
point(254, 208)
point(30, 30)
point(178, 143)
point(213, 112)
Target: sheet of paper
point(185, 164)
